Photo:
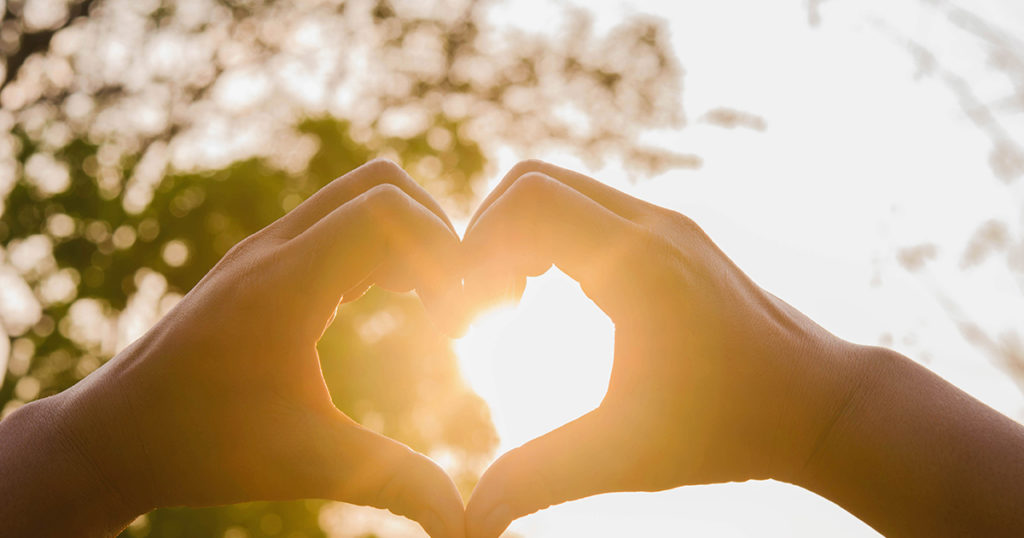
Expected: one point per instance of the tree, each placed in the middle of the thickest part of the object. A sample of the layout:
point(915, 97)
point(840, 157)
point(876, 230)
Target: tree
point(144, 138)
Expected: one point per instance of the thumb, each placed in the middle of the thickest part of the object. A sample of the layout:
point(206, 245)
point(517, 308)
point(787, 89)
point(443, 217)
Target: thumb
point(574, 461)
point(370, 469)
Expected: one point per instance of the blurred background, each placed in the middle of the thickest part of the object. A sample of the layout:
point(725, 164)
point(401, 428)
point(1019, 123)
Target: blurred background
point(860, 159)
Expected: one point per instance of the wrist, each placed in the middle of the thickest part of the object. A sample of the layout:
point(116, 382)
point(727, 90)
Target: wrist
point(910, 454)
point(52, 485)
point(832, 381)
point(97, 421)
point(855, 373)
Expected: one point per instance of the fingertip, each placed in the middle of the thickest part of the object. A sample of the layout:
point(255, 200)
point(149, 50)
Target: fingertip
point(427, 495)
point(384, 473)
point(487, 291)
point(446, 512)
point(498, 520)
point(489, 524)
point(432, 525)
point(446, 306)
point(438, 526)
point(488, 498)
point(570, 462)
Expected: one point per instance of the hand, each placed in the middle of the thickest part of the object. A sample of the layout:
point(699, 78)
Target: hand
point(714, 379)
point(223, 400)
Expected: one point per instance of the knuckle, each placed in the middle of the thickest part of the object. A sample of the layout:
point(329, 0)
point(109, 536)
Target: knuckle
point(239, 272)
point(526, 166)
point(240, 251)
point(670, 225)
point(531, 184)
point(524, 196)
point(681, 222)
point(383, 167)
point(640, 243)
point(387, 195)
point(674, 244)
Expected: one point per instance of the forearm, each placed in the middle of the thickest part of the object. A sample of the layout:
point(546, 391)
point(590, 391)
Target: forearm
point(912, 455)
point(49, 486)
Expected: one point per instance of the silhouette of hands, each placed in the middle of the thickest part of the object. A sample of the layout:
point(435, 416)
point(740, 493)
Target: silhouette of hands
point(224, 401)
point(714, 379)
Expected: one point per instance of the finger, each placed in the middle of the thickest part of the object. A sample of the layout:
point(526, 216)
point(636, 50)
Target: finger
point(492, 288)
point(539, 221)
point(381, 228)
point(372, 470)
point(357, 291)
point(615, 200)
point(393, 279)
point(585, 457)
point(349, 186)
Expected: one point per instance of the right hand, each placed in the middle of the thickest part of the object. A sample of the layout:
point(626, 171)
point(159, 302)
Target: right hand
point(714, 378)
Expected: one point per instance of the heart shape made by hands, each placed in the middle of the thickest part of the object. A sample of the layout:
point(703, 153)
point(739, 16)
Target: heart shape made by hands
point(713, 379)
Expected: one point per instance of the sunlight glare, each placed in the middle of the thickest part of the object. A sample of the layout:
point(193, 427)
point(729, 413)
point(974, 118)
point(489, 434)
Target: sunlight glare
point(540, 364)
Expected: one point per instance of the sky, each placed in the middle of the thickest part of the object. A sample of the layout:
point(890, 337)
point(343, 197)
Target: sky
point(863, 155)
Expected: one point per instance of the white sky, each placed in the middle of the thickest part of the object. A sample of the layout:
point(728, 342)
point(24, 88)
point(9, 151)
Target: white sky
point(859, 159)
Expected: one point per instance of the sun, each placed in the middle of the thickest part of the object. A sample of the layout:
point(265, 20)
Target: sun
point(540, 364)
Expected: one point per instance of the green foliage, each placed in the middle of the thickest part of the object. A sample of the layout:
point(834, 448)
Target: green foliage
point(120, 198)
point(382, 357)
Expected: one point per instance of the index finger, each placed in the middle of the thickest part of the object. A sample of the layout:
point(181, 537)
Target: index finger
point(538, 222)
point(612, 199)
point(349, 186)
point(383, 227)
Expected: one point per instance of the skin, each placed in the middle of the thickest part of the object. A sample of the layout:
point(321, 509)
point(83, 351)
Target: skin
point(223, 401)
point(717, 380)
point(714, 380)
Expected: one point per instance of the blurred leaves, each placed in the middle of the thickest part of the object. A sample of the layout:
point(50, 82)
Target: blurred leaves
point(730, 118)
point(980, 64)
point(141, 139)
